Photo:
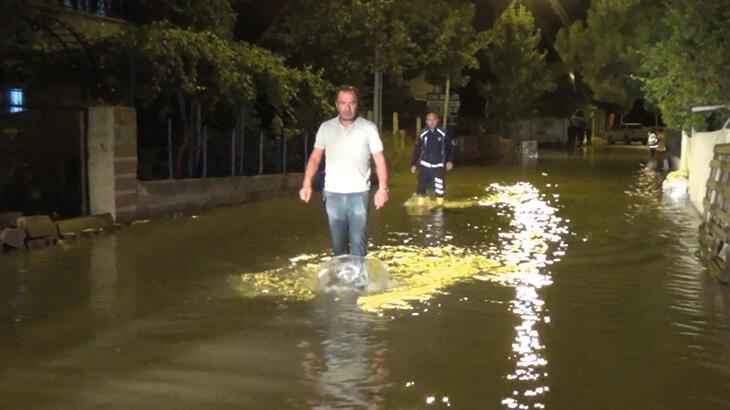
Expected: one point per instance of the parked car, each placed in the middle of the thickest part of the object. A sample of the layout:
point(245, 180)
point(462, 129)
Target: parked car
point(629, 132)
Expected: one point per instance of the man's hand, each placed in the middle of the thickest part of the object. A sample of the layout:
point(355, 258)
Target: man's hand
point(449, 166)
point(312, 166)
point(413, 169)
point(381, 197)
point(305, 194)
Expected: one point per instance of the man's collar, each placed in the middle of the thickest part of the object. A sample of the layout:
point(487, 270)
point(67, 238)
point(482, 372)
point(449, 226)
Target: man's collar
point(357, 117)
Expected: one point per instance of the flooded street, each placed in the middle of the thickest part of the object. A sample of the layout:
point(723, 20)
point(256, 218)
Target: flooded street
point(568, 282)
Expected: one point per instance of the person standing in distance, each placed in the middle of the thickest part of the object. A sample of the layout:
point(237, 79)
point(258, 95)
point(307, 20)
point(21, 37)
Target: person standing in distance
point(434, 156)
point(347, 142)
point(653, 142)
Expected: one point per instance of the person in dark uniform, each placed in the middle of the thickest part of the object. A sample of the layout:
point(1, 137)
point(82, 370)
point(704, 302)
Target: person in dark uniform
point(578, 123)
point(433, 156)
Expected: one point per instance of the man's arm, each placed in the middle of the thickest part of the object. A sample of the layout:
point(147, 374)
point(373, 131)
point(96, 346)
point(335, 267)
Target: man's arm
point(312, 167)
point(449, 152)
point(381, 168)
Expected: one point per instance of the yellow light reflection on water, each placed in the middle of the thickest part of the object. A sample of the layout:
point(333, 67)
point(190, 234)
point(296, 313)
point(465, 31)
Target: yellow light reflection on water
point(520, 259)
point(418, 274)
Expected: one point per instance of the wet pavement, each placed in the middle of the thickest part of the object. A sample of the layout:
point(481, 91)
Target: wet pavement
point(568, 282)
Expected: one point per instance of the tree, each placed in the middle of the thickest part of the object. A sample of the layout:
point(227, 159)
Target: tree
point(216, 16)
point(517, 67)
point(691, 66)
point(607, 49)
point(17, 38)
point(194, 66)
point(448, 41)
point(33, 54)
point(356, 39)
point(350, 40)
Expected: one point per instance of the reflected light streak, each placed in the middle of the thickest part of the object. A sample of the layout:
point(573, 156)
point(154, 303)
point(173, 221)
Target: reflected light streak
point(535, 229)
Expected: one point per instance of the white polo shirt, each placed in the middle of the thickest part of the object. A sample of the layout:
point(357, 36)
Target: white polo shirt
point(347, 153)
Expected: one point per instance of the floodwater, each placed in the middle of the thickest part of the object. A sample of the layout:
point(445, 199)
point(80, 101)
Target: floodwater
point(567, 282)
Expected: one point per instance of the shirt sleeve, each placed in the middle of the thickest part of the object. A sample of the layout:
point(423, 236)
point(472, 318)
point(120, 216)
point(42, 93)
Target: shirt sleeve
point(376, 145)
point(320, 141)
point(449, 148)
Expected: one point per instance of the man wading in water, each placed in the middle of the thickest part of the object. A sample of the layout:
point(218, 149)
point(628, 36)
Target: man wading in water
point(434, 156)
point(347, 141)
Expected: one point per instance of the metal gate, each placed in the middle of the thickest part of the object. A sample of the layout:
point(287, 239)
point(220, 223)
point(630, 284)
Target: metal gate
point(43, 161)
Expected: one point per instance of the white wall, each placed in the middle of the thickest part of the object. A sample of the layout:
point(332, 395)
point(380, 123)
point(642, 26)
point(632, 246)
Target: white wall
point(100, 142)
point(697, 152)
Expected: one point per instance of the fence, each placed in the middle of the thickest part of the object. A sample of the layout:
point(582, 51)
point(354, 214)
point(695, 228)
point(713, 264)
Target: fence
point(716, 219)
point(221, 154)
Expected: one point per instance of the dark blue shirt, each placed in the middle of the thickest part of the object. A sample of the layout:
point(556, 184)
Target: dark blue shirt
point(433, 148)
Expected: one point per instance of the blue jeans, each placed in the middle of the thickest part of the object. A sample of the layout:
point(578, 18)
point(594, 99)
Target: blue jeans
point(348, 217)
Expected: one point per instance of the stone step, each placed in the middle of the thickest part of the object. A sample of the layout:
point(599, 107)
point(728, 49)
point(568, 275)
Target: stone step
point(9, 219)
point(13, 237)
point(38, 226)
point(71, 228)
point(39, 243)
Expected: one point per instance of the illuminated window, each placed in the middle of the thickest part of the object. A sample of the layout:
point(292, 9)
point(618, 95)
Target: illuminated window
point(16, 97)
point(100, 7)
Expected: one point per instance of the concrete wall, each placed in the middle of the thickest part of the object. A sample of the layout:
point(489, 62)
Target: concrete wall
point(165, 197)
point(114, 188)
point(112, 146)
point(545, 130)
point(473, 148)
point(697, 152)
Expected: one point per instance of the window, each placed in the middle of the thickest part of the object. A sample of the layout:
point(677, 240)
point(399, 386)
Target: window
point(16, 99)
point(99, 7)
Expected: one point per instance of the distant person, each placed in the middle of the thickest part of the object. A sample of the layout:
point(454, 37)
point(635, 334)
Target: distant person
point(578, 123)
point(347, 141)
point(432, 157)
point(653, 142)
point(570, 144)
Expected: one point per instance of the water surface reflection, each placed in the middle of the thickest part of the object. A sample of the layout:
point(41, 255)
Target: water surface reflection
point(348, 367)
point(425, 263)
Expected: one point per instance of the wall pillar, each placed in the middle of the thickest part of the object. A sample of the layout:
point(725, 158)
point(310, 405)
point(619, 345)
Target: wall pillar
point(112, 145)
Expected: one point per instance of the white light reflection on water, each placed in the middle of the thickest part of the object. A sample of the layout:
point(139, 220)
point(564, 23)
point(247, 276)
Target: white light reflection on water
point(535, 230)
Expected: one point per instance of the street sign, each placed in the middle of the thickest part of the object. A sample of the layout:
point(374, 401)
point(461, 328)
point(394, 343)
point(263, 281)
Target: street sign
point(435, 102)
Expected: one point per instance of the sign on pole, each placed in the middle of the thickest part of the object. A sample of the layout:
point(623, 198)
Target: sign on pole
point(435, 102)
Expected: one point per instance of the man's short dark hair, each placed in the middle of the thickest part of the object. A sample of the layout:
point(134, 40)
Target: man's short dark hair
point(433, 112)
point(347, 89)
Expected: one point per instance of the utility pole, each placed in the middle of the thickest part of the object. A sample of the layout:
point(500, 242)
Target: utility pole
point(378, 98)
point(446, 102)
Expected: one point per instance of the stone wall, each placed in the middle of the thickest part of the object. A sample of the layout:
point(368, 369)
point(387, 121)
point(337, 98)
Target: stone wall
point(546, 130)
point(165, 197)
point(697, 152)
point(112, 146)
